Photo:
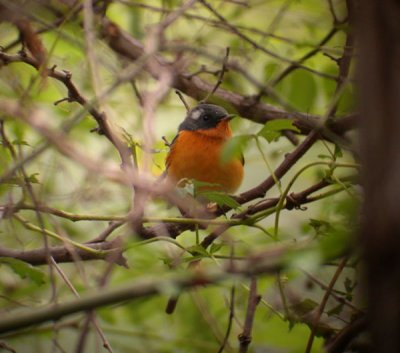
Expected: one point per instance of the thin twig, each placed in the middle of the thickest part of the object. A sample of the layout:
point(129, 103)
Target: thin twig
point(230, 319)
point(231, 305)
point(245, 337)
point(6, 347)
point(92, 316)
point(305, 57)
point(333, 12)
point(220, 75)
point(338, 343)
point(180, 95)
point(338, 297)
point(218, 24)
point(257, 46)
point(27, 186)
point(323, 303)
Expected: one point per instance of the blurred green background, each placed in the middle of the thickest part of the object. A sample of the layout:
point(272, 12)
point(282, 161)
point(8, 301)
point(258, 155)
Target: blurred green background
point(290, 29)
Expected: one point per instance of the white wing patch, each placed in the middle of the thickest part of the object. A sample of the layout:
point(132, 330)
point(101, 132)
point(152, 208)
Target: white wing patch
point(196, 114)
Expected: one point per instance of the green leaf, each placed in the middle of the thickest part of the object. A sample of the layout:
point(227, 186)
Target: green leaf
point(234, 147)
point(349, 285)
point(301, 90)
point(215, 247)
point(272, 130)
point(167, 261)
point(198, 250)
point(33, 178)
point(304, 307)
point(24, 270)
point(269, 70)
point(336, 243)
point(220, 198)
point(338, 152)
point(281, 124)
point(319, 225)
point(335, 310)
point(324, 156)
point(270, 135)
point(20, 142)
point(194, 257)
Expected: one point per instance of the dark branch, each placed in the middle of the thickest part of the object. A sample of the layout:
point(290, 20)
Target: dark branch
point(62, 254)
point(254, 298)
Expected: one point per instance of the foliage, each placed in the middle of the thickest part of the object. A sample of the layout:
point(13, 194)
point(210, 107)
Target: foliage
point(84, 107)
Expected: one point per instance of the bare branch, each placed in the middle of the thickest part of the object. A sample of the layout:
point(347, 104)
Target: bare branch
point(220, 75)
point(180, 95)
point(256, 45)
point(266, 262)
point(254, 299)
point(323, 303)
point(296, 65)
point(230, 319)
point(339, 342)
point(63, 254)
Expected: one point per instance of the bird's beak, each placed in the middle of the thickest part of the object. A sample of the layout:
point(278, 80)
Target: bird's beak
point(229, 117)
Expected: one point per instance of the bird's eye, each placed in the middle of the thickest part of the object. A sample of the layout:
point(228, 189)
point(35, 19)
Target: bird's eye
point(206, 117)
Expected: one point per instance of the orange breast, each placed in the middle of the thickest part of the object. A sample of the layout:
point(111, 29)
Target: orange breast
point(195, 155)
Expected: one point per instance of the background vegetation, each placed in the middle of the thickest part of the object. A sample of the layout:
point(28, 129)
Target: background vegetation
point(93, 246)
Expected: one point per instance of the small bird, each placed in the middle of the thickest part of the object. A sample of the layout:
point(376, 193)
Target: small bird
point(195, 152)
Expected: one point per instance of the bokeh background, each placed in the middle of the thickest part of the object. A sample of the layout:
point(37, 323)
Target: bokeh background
point(284, 54)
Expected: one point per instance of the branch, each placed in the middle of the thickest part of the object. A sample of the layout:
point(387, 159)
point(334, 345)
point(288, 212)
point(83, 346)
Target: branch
point(143, 288)
point(294, 200)
point(63, 254)
point(339, 343)
point(220, 75)
point(230, 319)
point(323, 303)
point(127, 46)
point(256, 46)
point(75, 96)
point(269, 260)
point(283, 168)
point(254, 299)
point(309, 55)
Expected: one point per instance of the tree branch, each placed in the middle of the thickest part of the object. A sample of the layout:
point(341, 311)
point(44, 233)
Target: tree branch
point(193, 86)
point(142, 288)
point(254, 299)
point(75, 96)
point(63, 254)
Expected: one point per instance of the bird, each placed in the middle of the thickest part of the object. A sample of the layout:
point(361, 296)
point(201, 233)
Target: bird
point(195, 152)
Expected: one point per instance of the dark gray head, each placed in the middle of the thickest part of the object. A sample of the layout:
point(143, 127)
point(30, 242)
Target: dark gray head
point(204, 116)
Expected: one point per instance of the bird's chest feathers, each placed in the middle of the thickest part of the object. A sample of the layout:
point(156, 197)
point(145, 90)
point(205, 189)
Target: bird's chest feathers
point(197, 155)
point(193, 148)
